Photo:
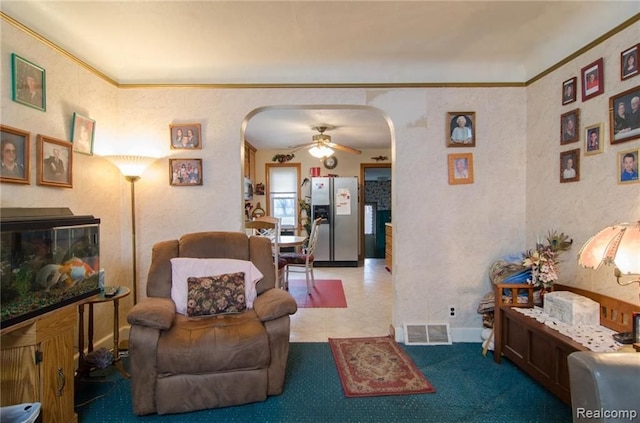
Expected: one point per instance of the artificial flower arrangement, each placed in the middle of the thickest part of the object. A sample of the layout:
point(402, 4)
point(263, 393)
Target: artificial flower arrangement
point(543, 260)
point(282, 158)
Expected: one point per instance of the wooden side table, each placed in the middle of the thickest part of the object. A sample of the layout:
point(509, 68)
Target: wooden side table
point(96, 299)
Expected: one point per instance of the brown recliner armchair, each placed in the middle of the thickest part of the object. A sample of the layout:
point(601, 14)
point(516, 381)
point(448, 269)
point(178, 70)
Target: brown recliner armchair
point(181, 364)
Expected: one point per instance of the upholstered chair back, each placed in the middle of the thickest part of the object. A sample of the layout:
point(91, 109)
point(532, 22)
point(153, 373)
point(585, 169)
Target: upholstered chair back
point(233, 245)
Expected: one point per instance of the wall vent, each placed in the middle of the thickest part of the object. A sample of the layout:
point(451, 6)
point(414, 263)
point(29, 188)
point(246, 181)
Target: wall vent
point(427, 334)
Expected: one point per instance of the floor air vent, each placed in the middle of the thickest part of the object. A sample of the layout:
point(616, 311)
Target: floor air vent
point(427, 334)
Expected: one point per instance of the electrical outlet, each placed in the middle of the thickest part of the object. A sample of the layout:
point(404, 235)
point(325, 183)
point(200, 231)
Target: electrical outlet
point(452, 311)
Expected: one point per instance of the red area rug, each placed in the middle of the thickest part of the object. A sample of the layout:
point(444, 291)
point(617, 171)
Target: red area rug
point(327, 293)
point(376, 366)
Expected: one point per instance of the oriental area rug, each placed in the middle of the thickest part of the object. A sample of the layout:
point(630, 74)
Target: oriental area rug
point(376, 366)
point(327, 293)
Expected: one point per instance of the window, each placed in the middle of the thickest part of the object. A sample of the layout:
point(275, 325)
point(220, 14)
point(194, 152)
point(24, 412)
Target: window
point(282, 193)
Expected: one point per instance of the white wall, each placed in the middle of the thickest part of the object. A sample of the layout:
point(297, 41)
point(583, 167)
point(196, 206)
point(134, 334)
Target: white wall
point(98, 187)
point(445, 237)
point(581, 208)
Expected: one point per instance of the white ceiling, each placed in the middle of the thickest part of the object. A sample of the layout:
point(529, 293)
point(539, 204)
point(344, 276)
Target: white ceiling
point(318, 42)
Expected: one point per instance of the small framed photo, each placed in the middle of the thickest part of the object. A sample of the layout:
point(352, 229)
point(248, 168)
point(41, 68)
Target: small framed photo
point(570, 127)
point(29, 83)
point(624, 115)
point(592, 80)
point(15, 155)
point(461, 129)
point(460, 168)
point(82, 132)
point(628, 166)
point(55, 162)
point(629, 62)
point(186, 136)
point(593, 143)
point(185, 172)
point(569, 90)
point(570, 166)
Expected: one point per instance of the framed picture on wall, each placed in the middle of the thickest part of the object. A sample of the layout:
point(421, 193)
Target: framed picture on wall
point(569, 90)
point(186, 136)
point(628, 166)
point(624, 115)
point(570, 166)
point(592, 79)
point(461, 129)
point(570, 127)
point(460, 168)
point(185, 172)
point(15, 155)
point(593, 142)
point(629, 62)
point(82, 133)
point(55, 162)
point(28, 83)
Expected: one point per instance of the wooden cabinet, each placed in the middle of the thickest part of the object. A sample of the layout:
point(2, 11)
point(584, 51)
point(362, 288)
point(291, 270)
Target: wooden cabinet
point(250, 161)
point(37, 364)
point(388, 255)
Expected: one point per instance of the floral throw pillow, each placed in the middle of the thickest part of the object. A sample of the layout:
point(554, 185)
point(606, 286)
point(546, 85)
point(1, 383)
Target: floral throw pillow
point(217, 294)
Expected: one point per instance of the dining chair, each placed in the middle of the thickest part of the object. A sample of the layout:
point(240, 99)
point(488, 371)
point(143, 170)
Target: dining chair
point(269, 226)
point(303, 261)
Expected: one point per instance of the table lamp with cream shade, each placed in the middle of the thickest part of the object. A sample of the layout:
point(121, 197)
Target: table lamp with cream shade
point(618, 245)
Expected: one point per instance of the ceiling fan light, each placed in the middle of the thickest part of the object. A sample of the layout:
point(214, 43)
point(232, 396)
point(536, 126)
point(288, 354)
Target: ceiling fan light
point(320, 152)
point(322, 138)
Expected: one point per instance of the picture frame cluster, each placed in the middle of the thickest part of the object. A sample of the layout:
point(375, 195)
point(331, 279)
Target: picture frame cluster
point(624, 119)
point(54, 157)
point(460, 132)
point(185, 171)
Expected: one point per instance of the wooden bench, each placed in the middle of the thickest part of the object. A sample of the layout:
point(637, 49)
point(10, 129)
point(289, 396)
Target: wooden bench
point(538, 350)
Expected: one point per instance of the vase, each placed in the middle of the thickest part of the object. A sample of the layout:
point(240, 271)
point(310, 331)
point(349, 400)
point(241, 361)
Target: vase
point(543, 292)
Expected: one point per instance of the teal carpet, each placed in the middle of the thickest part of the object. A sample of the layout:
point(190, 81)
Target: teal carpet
point(470, 388)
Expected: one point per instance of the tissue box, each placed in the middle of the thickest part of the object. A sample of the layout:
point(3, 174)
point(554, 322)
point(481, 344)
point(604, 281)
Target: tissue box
point(571, 308)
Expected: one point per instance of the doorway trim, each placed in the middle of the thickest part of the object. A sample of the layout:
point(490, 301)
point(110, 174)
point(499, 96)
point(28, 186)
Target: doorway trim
point(363, 167)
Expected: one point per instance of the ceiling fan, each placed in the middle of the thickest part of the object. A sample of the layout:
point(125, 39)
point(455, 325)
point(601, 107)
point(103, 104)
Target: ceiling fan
point(322, 146)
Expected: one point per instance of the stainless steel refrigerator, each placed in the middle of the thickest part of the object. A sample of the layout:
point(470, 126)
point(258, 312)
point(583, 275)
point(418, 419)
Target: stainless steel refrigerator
point(336, 200)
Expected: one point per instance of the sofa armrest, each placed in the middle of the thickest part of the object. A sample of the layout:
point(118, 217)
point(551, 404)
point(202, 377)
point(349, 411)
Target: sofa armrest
point(274, 303)
point(153, 312)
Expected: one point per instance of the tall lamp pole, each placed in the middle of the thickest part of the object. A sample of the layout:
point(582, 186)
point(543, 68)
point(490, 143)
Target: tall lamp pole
point(132, 179)
point(132, 168)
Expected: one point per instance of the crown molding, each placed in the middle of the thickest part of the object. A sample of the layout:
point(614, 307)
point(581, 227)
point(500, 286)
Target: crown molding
point(385, 85)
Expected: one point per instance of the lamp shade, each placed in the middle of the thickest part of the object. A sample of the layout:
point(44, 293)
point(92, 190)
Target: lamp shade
point(131, 165)
point(618, 244)
point(320, 151)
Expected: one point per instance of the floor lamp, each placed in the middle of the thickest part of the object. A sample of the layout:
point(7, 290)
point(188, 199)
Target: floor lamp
point(132, 168)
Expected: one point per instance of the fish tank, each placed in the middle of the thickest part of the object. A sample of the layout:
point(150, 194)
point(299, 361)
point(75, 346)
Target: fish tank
point(49, 258)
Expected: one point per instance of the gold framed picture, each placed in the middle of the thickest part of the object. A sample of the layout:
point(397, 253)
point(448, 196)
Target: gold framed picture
point(460, 168)
point(15, 155)
point(570, 166)
point(593, 142)
point(185, 172)
point(628, 166)
point(55, 162)
point(570, 126)
point(186, 136)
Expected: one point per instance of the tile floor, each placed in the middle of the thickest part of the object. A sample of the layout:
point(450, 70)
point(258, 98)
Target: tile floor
point(368, 291)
